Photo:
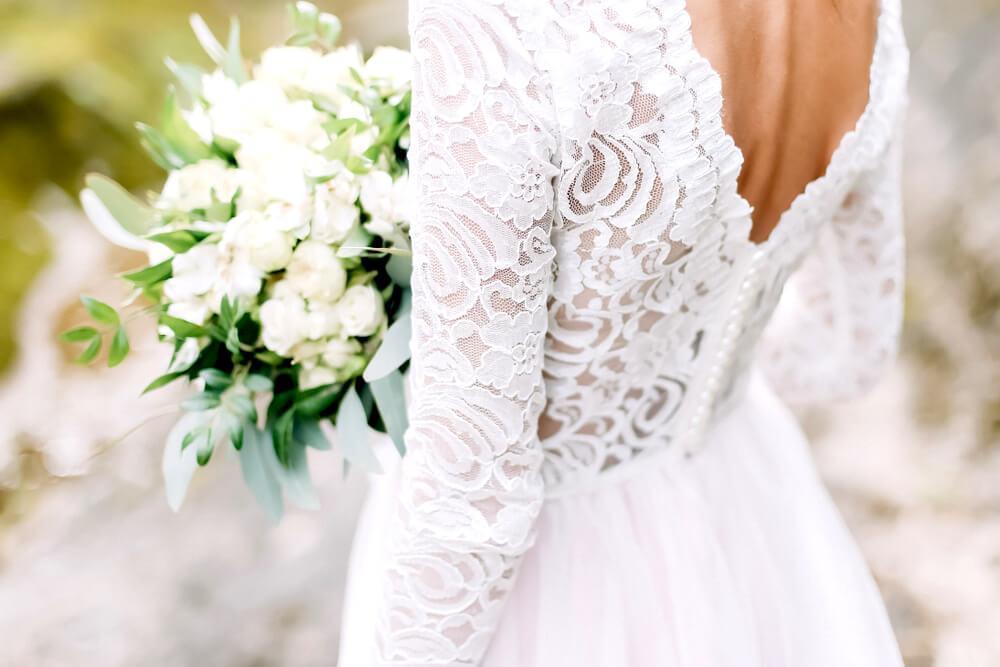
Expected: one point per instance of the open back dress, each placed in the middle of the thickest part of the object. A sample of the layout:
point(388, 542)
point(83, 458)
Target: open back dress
point(601, 469)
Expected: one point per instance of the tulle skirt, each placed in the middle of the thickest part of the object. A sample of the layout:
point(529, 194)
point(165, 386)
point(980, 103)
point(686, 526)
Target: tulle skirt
point(734, 557)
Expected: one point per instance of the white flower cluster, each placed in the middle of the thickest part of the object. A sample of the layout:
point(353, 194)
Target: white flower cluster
point(293, 200)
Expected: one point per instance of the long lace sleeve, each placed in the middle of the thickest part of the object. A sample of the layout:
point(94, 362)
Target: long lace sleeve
point(837, 326)
point(483, 165)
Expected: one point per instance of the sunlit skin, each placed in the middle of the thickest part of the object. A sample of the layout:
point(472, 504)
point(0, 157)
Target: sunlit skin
point(795, 78)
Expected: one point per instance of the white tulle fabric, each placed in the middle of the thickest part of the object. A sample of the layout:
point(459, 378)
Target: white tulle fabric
point(588, 314)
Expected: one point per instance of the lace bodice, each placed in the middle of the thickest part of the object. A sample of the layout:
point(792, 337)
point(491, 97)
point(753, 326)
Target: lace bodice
point(584, 286)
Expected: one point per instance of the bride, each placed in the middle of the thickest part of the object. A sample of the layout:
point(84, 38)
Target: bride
point(642, 226)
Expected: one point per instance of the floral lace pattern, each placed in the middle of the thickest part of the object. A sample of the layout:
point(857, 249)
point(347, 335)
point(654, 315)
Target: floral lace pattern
point(584, 286)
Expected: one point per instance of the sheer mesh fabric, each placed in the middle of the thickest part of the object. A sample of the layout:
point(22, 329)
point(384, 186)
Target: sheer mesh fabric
point(584, 286)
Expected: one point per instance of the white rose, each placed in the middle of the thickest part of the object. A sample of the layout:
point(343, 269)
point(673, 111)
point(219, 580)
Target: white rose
point(194, 273)
point(316, 376)
point(335, 215)
point(323, 321)
point(292, 218)
point(387, 202)
point(217, 88)
point(339, 352)
point(390, 70)
point(286, 66)
point(251, 238)
point(315, 272)
point(274, 169)
point(193, 186)
point(239, 116)
point(361, 311)
point(195, 311)
point(332, 71)
point(300, 123)
point(283, 324)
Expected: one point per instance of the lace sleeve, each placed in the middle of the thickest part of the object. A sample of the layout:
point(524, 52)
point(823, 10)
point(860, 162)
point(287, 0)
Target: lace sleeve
point(837, 326)
point(482, 162)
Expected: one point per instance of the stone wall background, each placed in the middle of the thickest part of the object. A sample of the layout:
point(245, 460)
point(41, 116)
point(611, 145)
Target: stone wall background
point(95, 570)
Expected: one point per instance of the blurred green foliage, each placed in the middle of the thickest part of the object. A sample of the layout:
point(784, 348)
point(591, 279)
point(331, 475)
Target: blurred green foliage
point(74, 78)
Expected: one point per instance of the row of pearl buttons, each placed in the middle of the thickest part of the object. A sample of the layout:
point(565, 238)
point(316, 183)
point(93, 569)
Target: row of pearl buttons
point(739, 312)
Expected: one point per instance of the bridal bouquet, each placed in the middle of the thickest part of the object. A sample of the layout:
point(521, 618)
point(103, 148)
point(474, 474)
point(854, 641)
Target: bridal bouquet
point(278, 255)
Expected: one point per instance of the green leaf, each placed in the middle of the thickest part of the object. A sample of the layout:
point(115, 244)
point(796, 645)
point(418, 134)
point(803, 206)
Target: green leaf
point(133, 216)
point(151, 274)
point(352, 432)
point(182, 328)
point(91, 352)
point(80, 335)
point(309, 433)
point(393, 352)
point(314, 402)
point(179, 240)
point(390, 399)
point(180, 463)
point(206, 445)
point(281, 431)
point(119, 347)
point(270, 358)
point(260, 470)
point(100, 311)
point(161, 381)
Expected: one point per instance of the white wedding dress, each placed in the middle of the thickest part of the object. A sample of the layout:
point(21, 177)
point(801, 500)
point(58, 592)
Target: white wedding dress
point(599, 469)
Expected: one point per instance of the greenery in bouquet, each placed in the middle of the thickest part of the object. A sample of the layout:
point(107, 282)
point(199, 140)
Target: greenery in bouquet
point(278, 256)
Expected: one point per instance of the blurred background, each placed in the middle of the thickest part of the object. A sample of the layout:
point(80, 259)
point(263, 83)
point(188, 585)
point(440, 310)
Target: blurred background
point(95, 570)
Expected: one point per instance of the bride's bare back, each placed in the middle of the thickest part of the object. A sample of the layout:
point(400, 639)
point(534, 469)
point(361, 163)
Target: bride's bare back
point(795, 78)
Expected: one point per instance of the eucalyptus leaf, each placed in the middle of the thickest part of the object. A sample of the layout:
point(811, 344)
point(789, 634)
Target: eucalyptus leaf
point(207, 40)
point(184, 141)
point(202, 401)
point(400, 268)
point(352, 432)
point(258, 383)
point(390, 398)
point(393, 352)
point(179, 463)
point(260, 470)
point(115, 213)
point(189, 76)
point(309, 433)
point(232, 65)
point(159, 148)
point(295, 479)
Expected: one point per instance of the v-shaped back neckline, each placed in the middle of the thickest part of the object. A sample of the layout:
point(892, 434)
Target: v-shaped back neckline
point(793, 213)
